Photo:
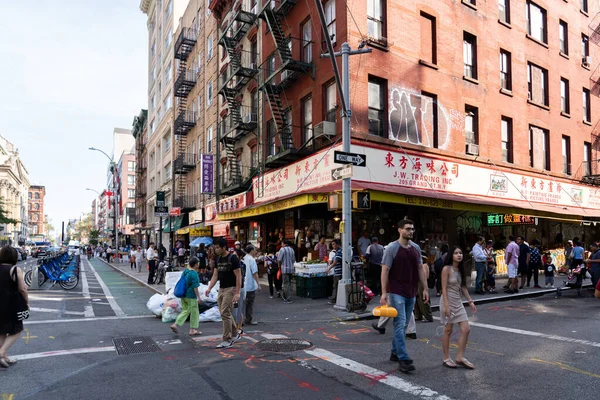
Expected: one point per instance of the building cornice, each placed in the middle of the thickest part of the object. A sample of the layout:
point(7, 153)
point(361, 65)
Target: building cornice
point(145, 5)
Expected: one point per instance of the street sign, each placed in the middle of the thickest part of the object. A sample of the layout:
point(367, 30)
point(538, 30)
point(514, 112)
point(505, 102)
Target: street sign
point(160, 198)
point(175, 211)
point(341, 157)
point(362, 200)
point(161, 211)
point(341, 173)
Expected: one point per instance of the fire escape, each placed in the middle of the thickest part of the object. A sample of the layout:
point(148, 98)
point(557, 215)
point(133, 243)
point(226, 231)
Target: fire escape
point(139, 132)
point(185, 119)
point(240, 120)
point(591, 173)
point(281, 71)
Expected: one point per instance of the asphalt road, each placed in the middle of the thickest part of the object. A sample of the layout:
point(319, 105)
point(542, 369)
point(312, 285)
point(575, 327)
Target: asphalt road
point(525, 349)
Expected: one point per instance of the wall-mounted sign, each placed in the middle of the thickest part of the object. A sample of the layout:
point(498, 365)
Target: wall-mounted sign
point(207, 166)
point(509, 219)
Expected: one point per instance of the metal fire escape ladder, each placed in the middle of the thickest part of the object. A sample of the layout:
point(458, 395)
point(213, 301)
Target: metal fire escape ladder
point(177, 167)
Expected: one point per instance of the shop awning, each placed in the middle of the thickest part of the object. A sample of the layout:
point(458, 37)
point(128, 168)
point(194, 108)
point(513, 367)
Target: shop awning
point(174, 223)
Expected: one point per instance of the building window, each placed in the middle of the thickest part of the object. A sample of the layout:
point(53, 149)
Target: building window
point(471, 2)
point(254, 158)
point(537, 22)
point(566, 155)
point(565, 101)
point(131, 166)
point(29, 195)
point(131, 193)
point(537, 83)
point(429, 107)
point(376, 19)
point(587, 157)
point(272, 150)
point(254, 104)
point(330, 19)
point(470, 55)
point(330, 102)
point(507, 139)
point(209, 48)
point(168, 103)
point(168, 171)
point(168, 40)
point(166, 143)
point(131, 179)
point(587, 112)
point(539, 148)
point(307, 127)
point(505, 70)
point(36, 206)
point(209, 94)
point(377, 106)
point(209, 140)
point(168, 73)
point(504, 11)
point(584, 6)
point(585, 50)
point(254, 52)
point(471, 125)
point(306, 42)
point(37, 196)
point(428, 38)
point(130, 204)
point(563, 36)
point(169, 9)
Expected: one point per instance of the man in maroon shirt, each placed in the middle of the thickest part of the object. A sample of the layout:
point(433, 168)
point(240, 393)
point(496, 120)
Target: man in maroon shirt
point(401, 271)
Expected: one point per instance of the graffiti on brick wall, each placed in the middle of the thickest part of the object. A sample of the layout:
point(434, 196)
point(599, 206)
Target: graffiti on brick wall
point(412, 119)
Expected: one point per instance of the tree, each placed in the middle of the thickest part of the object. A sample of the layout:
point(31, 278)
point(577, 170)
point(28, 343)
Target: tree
point(94, 235)
point(4, 219)
point(48, 227)
point(83, 228)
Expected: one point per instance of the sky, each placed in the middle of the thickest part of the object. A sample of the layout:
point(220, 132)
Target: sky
point(70, 72)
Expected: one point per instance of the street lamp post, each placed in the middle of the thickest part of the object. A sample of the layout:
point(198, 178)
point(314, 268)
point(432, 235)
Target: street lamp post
point(114, 186)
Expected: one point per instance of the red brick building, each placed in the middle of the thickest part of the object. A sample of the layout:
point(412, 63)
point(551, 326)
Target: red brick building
point(36, 209)
point(467, 111)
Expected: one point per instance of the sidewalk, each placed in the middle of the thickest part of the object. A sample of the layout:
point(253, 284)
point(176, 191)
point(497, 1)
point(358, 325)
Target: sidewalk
point(303, 309)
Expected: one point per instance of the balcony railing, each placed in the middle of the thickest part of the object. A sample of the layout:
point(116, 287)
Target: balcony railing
point(185, 82)
point(184, 163)
point(185, 43)
point(185, 122)
point(186, 202)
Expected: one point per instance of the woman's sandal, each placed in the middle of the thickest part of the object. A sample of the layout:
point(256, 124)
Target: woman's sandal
point(4, 363)
point(174, 328)
point(10, 362)
point(195, 333)
point(449, 363)
point(465, 364)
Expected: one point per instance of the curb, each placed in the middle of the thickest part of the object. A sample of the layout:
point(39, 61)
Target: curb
point(131, 276)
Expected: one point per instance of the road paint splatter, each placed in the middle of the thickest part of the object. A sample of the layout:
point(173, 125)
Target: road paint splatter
point(300, 383)
point(8, 396)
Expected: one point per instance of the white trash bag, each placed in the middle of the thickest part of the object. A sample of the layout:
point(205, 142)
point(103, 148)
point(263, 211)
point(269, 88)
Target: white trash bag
point(156, 303)
point(171, 310)
point(211, 315)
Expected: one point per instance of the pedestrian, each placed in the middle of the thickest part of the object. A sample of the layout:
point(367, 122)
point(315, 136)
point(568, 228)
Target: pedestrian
point(108, 254)
point(272, 271)
point(569, 252)
point(286, 259)
point(512, 263)
point(11, 280)
point(363, 244)
point(321, 247)
point(189, 302)
point(438, 265)
point(374, 256)
point(594, 263)
point(535, 264)
point(181, 255)
point(411, 329)
point(151, 256)
point(202, 256)
point(577, 255)
point(162, 252)
point(524, 257)
point(239, 310)
point(402, 270)
point(139, 259)
point(480, 263)
point(227, 272)
point(597, 291)
point(454, 286)
point(549, 270)
point(251, 283)
point(422, 309)
point(132, 258)
point(490, 272)
point(336, 265)
point(238, 245)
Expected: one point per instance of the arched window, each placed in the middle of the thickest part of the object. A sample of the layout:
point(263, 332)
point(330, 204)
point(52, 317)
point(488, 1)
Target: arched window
point(37, 195)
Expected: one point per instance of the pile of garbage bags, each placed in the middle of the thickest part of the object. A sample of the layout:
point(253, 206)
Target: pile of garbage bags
point(168, 307)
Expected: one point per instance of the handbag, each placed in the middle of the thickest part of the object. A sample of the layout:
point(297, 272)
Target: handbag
point(15, 309)
point(181, 286)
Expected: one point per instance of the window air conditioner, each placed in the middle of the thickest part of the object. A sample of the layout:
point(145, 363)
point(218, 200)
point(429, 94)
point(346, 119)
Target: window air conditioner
point(587, 61)
point(252, 66)
point(472, 149)
point(250, 118)
point(324, 128)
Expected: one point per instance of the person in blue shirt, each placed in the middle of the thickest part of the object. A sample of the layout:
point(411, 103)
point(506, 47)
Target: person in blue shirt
point(189, 303)
point(578, 253)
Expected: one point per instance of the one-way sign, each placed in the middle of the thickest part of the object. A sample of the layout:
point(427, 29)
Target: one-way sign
point(341, 157)
point(341, 173)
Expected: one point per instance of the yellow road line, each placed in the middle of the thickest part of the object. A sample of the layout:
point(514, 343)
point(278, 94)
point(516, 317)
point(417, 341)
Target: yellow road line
point(567, 367)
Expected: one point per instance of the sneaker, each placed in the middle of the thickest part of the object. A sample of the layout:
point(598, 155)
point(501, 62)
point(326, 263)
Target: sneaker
point(378, 329)
point(394, 357)
point(270, 297)
point(411, 335)
point(287, 301)
point(236, 339)
point(509, 291)
point(405, 366)
point(224, 345)
point(254, 323)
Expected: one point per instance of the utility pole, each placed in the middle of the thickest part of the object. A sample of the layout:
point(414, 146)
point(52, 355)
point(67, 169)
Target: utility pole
point(343, 86)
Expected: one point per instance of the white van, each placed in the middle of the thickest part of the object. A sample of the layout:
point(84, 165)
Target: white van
point(74, 246)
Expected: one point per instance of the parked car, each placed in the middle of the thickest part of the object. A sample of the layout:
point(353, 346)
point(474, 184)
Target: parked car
point(19, 254)
point(42, 251)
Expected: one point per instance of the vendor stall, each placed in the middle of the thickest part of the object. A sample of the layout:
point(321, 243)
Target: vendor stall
point(311, 279)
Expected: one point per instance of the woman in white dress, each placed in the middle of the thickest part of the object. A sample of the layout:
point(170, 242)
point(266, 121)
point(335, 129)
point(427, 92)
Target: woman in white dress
point(454, 286)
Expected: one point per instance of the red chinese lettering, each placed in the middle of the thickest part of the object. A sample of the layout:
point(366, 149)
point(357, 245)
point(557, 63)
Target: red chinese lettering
point(541, 185)
point(327, 160)
point(402, 162)
point(417, 165)
point(431, 166)
point(272, 179)
point(306, 167)
point(455, 170)
point(533, 183)
point(315, 163)
point(285, 174)
point(550, 184)
point(389, 160)
point(524, 182)
point(444, 169)
point(279, 177)
point(558, 187)
point(315, 197)
point(298, 170)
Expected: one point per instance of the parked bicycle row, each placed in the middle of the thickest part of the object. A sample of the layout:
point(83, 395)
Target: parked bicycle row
point(61, 268)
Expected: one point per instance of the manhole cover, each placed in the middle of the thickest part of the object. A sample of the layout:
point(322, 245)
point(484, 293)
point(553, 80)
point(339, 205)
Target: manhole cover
point(135, 345)
point(283, 345)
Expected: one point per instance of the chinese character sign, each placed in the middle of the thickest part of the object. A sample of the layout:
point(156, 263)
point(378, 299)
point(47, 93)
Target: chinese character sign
point(509, 219)
point(208, 173)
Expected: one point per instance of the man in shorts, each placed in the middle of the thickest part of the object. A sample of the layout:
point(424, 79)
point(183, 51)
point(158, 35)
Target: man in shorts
point(512, 262)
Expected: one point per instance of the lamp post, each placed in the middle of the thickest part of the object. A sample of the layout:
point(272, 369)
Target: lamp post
point(114, 187)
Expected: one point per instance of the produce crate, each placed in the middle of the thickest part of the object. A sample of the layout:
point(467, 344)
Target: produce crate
point(314, 288)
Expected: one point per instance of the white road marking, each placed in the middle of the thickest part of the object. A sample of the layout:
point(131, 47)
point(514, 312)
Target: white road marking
point(87, 308)
point(86, 350)
point(51, 310)
point(61, 321)
point(205, 338)
point(273, 336)
point(113, 304)
point(381, 376)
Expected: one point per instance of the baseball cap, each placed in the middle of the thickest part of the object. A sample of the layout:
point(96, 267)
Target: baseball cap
point(237, 242)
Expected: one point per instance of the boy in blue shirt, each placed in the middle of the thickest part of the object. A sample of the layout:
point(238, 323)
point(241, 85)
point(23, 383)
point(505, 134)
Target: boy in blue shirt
point(549, 269)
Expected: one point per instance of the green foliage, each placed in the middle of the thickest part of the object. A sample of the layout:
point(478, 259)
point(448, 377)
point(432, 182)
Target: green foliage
point(3, 216)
